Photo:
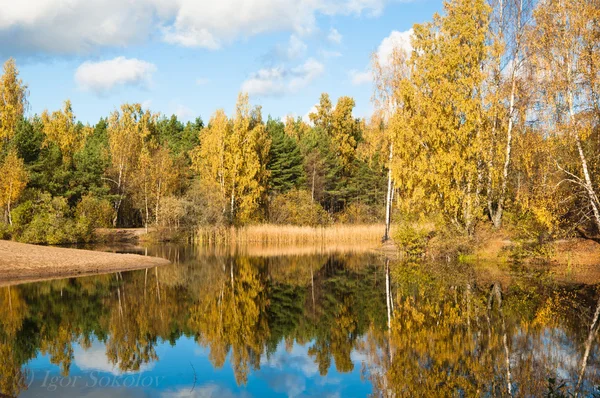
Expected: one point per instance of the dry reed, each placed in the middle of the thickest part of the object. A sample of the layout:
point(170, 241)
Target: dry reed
point(285, 235)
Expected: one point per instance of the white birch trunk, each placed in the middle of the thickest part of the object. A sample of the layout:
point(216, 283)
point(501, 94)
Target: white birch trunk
point(388, 204)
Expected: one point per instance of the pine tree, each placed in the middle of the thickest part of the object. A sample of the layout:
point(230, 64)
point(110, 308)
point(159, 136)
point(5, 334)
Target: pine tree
point(285, 160)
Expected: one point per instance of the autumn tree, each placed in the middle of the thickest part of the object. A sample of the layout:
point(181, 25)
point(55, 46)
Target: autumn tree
point(13, 182)
point(208, 159)
point(163, 176)
point(506, 92)
point(346, 131)
point(13, 100)
point(127, 131)
point(388, 76)
point(565, 41)
point(61, 128)
point(248, 147)
point(321, 117)
point(443, 126)
point(233, 157)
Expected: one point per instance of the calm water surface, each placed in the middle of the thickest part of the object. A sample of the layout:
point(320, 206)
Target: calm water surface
point(218, 324)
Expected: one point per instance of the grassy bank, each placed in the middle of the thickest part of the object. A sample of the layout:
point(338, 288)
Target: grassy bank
point(285, 235)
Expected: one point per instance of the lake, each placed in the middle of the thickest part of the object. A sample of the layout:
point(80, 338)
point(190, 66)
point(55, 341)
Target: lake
point(270, 322)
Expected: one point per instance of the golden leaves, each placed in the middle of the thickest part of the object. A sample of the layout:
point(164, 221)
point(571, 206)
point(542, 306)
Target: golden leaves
point(60, 127)
point(13, 100)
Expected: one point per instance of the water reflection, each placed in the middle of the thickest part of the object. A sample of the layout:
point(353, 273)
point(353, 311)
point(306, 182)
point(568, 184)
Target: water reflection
point(351, 324)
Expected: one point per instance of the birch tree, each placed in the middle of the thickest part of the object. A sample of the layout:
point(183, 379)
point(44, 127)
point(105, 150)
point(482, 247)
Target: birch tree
point(127, 131)
point(208, 159)
point(12, 182)
point(565, 40)
point(13, 100)
point(388, 75)
point(443, 112)
point(61, 128)
point(233, 157)
point(509, 22)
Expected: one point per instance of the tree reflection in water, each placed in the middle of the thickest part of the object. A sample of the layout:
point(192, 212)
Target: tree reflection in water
point(423, 329)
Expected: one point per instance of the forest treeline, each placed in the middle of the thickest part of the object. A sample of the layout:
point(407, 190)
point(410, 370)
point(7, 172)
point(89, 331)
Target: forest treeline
point(491, 118)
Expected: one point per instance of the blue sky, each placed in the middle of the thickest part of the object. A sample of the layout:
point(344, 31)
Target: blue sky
point(191, 57)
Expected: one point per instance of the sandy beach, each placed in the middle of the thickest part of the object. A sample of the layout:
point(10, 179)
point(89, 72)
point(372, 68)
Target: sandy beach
point(20, 262)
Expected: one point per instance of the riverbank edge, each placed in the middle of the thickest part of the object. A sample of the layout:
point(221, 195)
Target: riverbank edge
point(21, 262)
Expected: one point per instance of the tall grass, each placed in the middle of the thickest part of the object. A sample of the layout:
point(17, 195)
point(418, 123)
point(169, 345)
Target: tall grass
point(286, 235)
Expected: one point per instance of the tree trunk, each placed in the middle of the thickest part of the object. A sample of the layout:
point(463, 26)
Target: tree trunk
point(588, 346)
point(312, 193)
point(158, 202)
point(8, 203)
point(498, 216)
point(594, 202)
point(588, 182)
point(8, 211)
point(232, 204)
point(146, 204)
point(388, 204)
point(118, 202)
point(497, 220)
point(387, 294)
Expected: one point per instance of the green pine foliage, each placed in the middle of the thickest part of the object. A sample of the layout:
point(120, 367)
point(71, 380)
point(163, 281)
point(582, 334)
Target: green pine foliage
point(285, 160)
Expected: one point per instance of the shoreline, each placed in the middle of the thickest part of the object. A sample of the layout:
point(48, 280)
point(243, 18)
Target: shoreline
point(22, 262)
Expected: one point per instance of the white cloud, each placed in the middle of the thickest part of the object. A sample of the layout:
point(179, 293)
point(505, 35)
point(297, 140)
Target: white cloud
point(358, 78)
point(334, 36)
point(306, 117)
point(94, 358)
point(183, 112)
point(208, 390)
point(330, 54)
point(146, 104)
point(280, 80)
point(101, 77)
point(83, 26)
point(305, 74)
point(296, 48)
point(396, 40)
point(201, 81)
point(75, 26)
point(191, 37)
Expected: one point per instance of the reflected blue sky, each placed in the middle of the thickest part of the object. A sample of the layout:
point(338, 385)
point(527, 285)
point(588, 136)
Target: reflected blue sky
point(285, 373)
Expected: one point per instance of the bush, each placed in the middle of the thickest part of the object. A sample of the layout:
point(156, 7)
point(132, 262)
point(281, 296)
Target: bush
point(173, 212)
point(204, 205)
point(412, 240)
point(296, 207)
point(46, 220)
point(5, 231)
point(98, 212)
point(360, 213)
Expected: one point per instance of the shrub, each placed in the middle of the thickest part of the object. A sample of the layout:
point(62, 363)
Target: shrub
point(98, 212)
point(296, 207)
point(5, 231)
point(173, 212)
point(46, 220)
point(412, 240)
point(205, 205)
point(360, 213)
